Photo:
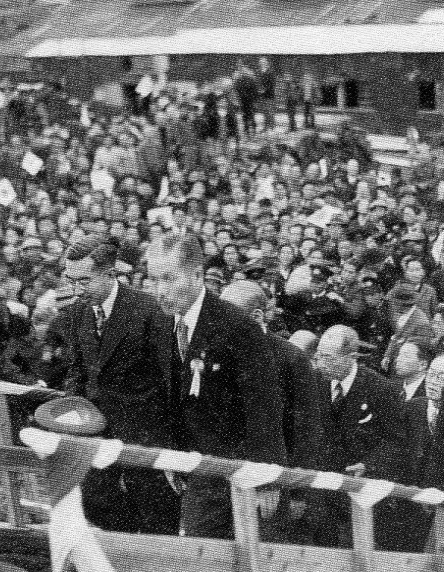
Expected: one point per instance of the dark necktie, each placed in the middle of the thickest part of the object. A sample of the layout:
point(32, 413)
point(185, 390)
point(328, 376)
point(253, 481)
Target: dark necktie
point(100, 320)
point(182, 337)
point(337, 396)
point(403, 395)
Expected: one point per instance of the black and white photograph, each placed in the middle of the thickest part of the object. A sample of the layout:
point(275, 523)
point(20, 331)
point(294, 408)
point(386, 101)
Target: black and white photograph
point(221, 285)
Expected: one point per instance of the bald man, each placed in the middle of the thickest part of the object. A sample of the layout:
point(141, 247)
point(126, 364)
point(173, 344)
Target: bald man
point(363, 421)
point(303, 432)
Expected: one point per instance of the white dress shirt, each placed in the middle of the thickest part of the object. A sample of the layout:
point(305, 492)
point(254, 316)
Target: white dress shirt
point(192, 315)
point(347, 382)
point(108, 304)
point(432, 414)
point(410, 388)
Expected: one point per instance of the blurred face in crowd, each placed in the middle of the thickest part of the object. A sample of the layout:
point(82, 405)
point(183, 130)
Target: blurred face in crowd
point(11, 237)
point(377, 213)
point(434, 380)
point(318, 286)
point(11, 254)
point(210, 248)
point(229, 213)
point(55, 248)
point(231, 256)
point(208, 229)
point(93, 284)
point(267, 248)
point(349, 274)
point(33, 255)
point(409, 216)
point(306, 247)
point(345, 249)
point(132, 235)
point(177, 287)
point(117, 229)
point(315, 258)
point(408, 363)
point(286, 256)
point(47, 228)
point(253, 211)
point(295, 235)
point(414, 272)
point(331, 359)
point(223, 238)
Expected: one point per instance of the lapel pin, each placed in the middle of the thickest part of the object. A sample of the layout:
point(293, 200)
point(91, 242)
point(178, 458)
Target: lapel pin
point(364, 407)
point(216, 366)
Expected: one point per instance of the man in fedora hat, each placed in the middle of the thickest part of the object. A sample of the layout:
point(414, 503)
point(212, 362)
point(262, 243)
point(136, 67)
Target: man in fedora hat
point(110, 336)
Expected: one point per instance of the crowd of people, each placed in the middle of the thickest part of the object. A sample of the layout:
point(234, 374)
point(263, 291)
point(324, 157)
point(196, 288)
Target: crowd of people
point(338, 263)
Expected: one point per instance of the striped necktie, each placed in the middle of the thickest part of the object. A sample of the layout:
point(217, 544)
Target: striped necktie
point(182, 337)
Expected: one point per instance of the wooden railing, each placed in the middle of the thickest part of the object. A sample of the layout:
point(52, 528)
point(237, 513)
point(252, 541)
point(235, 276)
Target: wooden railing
point(246, 553)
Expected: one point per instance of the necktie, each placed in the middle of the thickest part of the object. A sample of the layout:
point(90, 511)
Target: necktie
point(403, 395)
point(182, 337)
point(337, 395)
point(100, 320)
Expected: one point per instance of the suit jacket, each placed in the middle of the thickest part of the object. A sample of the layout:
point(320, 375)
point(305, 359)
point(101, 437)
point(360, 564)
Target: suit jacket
point(120, 374)
point(303, 431)
point(419, 440)
point(368, 429)
point(238, 412)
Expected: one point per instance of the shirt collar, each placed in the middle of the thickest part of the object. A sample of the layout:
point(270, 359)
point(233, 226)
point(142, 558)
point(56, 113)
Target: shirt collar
point(191, 317)
point(347, 382)
point(411, 388)
point(108, 304)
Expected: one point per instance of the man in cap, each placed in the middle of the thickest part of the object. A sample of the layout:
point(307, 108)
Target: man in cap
point(302, 422)
point(410, 323)
point(362, 422)
point(112, 341)
point(317, 309)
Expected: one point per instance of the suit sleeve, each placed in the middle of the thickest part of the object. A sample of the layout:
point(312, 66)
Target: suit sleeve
point(262, 397)
point(77, 376)
point(387, 460)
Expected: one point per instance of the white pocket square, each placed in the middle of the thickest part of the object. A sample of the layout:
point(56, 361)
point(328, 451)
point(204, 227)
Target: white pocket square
point(366, 419)
point(216, 366)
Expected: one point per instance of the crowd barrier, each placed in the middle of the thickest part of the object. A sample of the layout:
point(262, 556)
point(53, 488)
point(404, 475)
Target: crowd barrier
point(65, 460)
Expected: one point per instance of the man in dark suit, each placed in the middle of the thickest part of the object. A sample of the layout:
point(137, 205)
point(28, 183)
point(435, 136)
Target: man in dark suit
point(362, 420)
point(410, 323)
point(303, 432)
point(114, 364)
point(222, 381)
point(410, 370)
point(421, 416)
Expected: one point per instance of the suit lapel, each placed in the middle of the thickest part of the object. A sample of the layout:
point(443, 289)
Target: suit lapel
point(356, 397)
point(116, 325)
point(165, 328)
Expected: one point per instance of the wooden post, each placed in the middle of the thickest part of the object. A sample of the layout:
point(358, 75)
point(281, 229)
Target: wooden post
point(246, 528)
point(363, 538)
point(10, 479)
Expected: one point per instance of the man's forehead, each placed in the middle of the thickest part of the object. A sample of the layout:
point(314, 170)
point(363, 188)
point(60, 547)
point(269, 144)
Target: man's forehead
point(79, 268)
point(330, 344)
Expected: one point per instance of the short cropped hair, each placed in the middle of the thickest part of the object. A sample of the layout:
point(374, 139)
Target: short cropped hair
point(102, 251)
point(348, 337)
point(188, 247)
point(247, 295)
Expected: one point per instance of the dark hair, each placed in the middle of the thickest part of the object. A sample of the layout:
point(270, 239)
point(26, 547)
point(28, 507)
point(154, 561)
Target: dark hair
point(188, 248)
point(102, 251)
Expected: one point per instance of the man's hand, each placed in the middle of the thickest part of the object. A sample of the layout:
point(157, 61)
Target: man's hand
point(176, 482)
point(357, 470)
point(268, 502)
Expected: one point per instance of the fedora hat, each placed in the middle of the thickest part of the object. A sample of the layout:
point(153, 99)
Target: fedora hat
point(72, 415)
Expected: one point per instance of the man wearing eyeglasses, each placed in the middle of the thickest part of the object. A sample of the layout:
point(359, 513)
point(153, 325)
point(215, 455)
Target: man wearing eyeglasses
point(363, 423)
point(111, 339)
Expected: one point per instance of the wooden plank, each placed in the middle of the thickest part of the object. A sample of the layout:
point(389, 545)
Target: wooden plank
point(139, 553)
point(10, 480)
point(363, 537)
point(246, 528)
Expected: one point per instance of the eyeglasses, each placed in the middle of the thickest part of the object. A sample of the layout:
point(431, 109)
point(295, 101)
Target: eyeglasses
point(83, 282)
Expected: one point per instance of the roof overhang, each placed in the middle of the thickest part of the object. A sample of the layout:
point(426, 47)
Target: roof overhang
point(341, 39)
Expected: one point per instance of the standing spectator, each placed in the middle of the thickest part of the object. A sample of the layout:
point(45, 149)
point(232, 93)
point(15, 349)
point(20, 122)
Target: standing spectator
point(292, 97)
point(247, 93)
point(362, 421)
point(267, 85)
point(411, 367)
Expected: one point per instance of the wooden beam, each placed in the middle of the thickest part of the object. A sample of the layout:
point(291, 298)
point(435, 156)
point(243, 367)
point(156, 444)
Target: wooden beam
point(246, 528)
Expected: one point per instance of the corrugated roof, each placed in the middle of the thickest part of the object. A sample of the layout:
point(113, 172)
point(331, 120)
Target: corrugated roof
point(127, 19)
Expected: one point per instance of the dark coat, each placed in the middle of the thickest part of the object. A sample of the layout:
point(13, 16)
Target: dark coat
point(419, 439)
point(238, 413)
point(368, 429)
point(303, 432)
point(119, 375)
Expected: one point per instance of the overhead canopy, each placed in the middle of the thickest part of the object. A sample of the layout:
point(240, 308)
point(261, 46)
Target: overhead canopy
point(334, 39)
